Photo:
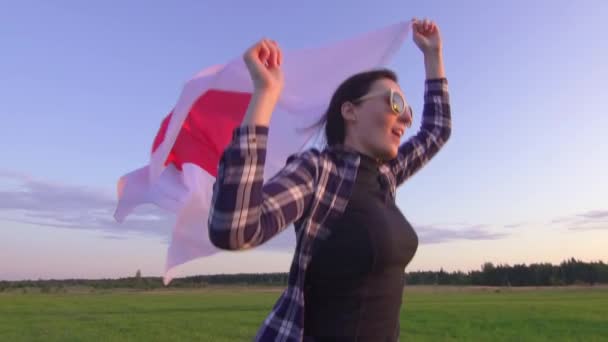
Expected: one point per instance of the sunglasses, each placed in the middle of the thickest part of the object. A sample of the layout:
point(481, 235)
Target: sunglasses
point(397, 103)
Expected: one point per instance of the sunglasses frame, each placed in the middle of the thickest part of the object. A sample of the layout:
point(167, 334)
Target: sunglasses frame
point(392, 94)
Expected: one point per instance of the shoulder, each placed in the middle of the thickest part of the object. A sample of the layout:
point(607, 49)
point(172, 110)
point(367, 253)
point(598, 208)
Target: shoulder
point(308, 160)
point(317, 161)
point(310, 154)
point(310, 157)
point(321, 159)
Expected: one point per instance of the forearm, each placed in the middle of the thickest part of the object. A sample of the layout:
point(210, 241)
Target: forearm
point(246, 212)
point(436, 126)
point(433, 65)
point(260, 108)
point(434, 132)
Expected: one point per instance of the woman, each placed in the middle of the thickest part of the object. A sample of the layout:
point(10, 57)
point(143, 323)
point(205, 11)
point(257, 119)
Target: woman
point(353, 243)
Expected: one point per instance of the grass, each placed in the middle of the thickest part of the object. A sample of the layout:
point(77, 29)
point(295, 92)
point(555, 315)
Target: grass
point(517, 315)
point(234, 314)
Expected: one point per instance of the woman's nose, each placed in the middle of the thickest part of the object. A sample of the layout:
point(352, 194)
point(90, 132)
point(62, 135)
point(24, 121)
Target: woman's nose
point(405, 119)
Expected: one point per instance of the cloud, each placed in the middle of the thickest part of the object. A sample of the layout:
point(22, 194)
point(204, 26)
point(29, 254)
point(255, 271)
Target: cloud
point(560, 220)
point(514, 225)
point(584, 225)
point(76, 207)
point(589, 220)
point(429, 234)
point(57, 205)
point(113, 237)
point(595, 214)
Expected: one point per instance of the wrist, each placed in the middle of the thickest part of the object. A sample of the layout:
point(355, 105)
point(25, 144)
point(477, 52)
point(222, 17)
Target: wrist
point(433, 64)
point(261, 106)
point(433, 54)
point(266, 92)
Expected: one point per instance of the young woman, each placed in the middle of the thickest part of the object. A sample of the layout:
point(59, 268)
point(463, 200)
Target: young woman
point(353, 243)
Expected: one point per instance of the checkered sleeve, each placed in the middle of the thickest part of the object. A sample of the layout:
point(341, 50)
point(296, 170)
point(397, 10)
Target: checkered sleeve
point(435, 130)
point(245, 211)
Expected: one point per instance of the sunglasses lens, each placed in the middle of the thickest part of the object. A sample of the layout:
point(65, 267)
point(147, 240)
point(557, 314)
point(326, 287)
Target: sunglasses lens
point(398, 103)
point(410, 115)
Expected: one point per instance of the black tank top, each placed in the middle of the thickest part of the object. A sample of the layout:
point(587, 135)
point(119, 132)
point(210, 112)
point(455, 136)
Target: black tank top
point(354, 282)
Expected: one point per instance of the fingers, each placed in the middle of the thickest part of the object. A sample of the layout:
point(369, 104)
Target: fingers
point(432, 27)
point(279, 58)
point(267, 53)
point(424, 26)
point(275, 54)
point(263, 52)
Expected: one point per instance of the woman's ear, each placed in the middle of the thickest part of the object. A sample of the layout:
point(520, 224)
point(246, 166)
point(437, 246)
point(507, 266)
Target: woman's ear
point(348, 111)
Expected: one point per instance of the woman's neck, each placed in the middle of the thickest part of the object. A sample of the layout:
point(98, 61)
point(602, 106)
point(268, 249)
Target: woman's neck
point(357, 146)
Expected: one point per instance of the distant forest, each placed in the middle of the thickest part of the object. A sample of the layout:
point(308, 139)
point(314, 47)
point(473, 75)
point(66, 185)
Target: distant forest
point(569, 272)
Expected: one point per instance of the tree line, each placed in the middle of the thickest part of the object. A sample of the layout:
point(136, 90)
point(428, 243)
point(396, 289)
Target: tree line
point(569, 272)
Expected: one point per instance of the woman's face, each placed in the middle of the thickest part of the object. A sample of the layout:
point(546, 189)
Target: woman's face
point(376, 128)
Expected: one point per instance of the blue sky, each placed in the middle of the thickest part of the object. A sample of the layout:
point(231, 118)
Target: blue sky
point(85, 85)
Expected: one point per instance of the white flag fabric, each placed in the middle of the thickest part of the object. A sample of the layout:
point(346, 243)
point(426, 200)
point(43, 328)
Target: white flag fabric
point(186, 150)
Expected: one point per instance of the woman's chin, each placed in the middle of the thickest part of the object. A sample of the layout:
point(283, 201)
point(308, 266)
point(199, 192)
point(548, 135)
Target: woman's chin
point(390, 153)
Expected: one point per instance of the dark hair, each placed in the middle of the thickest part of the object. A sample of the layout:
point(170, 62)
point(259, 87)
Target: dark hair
point(349, 90)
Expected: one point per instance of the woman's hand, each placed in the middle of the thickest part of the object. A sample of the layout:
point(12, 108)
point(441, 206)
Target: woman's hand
point(263, 61)
point(426, 36)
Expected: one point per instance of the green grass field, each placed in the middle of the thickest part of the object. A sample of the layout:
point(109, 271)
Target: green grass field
point(234, 314)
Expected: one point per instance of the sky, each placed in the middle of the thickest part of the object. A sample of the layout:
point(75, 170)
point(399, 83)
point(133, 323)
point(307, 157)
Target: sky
point(84, 87)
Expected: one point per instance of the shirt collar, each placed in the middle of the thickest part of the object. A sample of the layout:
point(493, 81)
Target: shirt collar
point(351, 153)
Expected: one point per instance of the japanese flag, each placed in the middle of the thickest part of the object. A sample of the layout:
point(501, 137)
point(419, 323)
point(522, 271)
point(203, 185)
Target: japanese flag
point(186, 150)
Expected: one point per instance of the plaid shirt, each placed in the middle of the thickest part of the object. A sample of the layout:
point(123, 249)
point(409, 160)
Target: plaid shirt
point(312, 189)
